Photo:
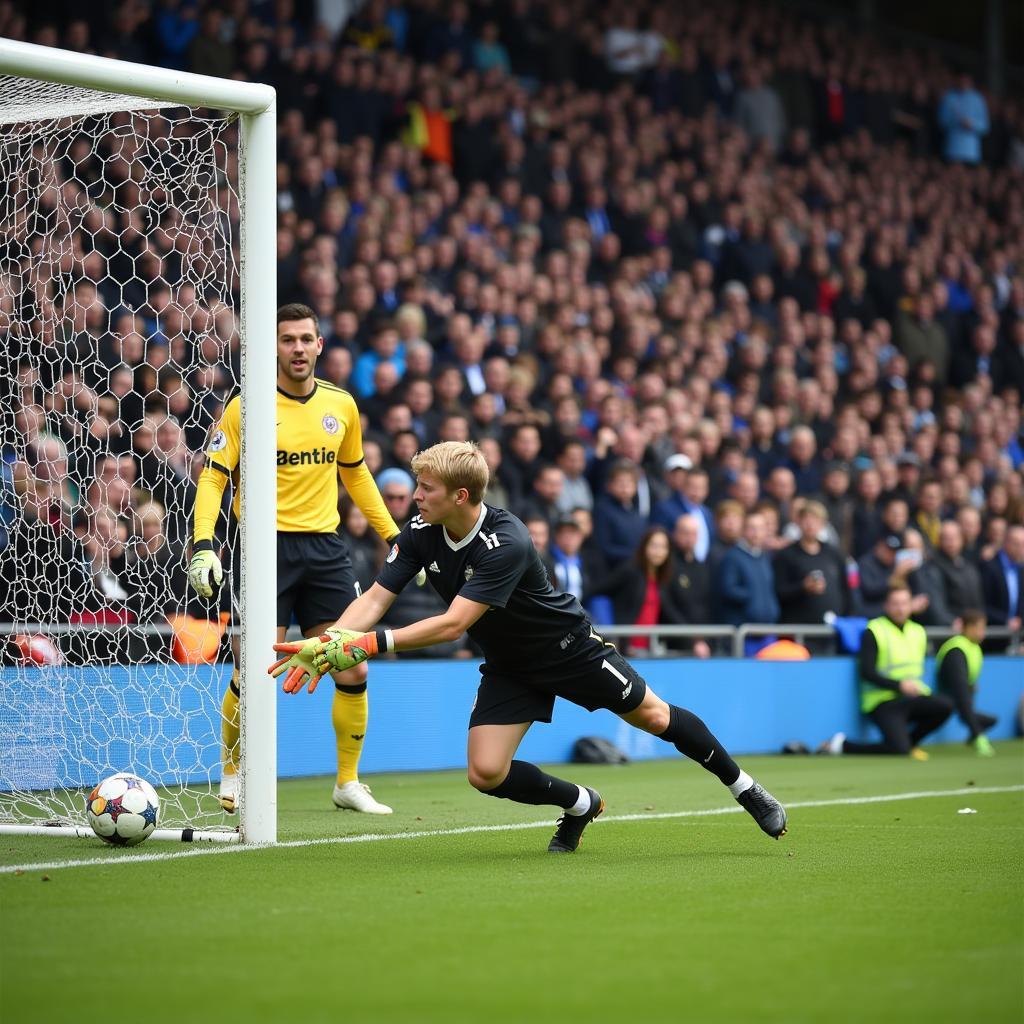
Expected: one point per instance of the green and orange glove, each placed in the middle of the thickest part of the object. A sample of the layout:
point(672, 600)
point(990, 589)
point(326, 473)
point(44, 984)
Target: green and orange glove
point(297, 665)
point(306, 663)
point(341, 649)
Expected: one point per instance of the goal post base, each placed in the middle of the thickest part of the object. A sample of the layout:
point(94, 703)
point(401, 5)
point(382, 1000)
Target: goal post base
point(174, 835)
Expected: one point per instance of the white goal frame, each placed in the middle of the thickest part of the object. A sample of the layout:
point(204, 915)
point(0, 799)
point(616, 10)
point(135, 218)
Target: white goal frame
point(256, 106)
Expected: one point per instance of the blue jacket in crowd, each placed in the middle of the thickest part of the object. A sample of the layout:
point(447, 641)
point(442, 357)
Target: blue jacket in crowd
point(617, 530)
point(746, 586)
point(963, 116)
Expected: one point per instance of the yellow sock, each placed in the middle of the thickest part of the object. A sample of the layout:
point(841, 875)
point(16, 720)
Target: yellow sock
point(230, 726)
point(349, 715)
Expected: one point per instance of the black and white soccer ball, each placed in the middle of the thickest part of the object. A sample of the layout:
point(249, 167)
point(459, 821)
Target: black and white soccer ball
point(123, 809)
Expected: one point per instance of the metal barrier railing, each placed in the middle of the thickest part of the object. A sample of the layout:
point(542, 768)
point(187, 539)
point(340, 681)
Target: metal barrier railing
point(803, 631)
point(734, 636)
point(799, 631)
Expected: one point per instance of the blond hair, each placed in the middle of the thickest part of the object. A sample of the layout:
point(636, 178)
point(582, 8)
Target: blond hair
point(414, 314)
point(814, 508)
point(456, 464)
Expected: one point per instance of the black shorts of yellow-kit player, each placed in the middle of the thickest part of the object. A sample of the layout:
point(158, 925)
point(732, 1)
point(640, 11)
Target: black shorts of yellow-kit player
point(315, 578)
point(599, 677)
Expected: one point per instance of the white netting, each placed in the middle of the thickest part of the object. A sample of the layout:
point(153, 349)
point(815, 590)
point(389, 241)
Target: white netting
point(118, 346)
point(24, 101)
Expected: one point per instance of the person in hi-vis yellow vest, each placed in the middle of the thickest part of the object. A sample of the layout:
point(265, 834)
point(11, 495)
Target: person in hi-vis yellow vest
point(957, 669)
point(893, 693)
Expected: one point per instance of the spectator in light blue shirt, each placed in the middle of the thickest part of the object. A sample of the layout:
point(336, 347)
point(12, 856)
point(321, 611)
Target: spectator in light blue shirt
point(963, 117)
point(385, 347)
point(489, 52)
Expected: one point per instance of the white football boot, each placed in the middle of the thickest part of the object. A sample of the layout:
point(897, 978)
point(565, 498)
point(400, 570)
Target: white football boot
point(356, 796)
point(228, 794)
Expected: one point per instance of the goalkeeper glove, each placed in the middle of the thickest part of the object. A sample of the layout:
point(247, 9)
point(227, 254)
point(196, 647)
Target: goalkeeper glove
point(204, 564)
point(297, 664)
point(341, 649)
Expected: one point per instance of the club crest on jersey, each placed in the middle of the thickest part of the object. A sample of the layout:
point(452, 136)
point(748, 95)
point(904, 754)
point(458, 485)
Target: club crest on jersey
point(330, 424)
point(393, 553)
point(218, 442)
point(469, 572)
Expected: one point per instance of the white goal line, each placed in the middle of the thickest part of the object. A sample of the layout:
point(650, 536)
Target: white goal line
point(209, 851)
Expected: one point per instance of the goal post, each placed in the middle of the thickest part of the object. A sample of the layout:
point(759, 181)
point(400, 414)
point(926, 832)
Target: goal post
point(57, 91)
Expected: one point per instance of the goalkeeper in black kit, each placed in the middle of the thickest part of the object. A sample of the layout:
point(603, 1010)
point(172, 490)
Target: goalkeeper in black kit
point(538, 645)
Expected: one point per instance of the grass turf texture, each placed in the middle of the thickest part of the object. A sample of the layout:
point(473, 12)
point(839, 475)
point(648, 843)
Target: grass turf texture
point(897, 911)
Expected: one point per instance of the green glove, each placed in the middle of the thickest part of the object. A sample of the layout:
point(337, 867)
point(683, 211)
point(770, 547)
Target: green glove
point(204, 565)
point(296, 665)
point(341, 649)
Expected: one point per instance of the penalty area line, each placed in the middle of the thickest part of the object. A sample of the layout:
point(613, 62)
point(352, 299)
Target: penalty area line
point(375, 837)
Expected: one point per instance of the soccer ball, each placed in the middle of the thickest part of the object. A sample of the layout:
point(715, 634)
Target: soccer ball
point(123, 809)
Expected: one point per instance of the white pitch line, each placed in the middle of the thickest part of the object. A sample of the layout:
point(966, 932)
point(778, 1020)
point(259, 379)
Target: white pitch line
point(211, 851)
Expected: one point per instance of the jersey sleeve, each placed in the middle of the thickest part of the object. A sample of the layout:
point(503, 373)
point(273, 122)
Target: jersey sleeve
point(356, 477)
point(402, 563)
point(362, 488)
point(222, 455)
point(225, 447)
point(350, 454)
point(497, 572)
point(209, 494)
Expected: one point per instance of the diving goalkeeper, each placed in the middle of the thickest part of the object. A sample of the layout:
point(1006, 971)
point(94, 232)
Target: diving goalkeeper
point(538, 645)
point(319, 439)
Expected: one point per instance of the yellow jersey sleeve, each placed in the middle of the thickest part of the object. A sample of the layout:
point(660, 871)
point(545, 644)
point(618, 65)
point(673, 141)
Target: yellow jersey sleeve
point(350, 452)
point(359, 483)
point(222, 456)
point(355, 476)
point(209, 494)
point(225, 447)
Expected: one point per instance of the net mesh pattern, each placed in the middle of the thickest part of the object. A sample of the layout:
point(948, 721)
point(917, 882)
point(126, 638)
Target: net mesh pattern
point(119, 345)
point(25, 100)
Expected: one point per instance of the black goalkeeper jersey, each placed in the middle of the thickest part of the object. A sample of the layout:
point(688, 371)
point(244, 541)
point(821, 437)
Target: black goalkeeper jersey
point(531, 627)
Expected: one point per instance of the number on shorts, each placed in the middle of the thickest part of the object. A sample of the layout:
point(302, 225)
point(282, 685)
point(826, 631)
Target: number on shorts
point(615, 672)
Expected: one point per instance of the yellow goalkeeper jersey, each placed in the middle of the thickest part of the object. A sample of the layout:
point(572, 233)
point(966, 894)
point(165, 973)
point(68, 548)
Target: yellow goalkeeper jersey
point(319, 440)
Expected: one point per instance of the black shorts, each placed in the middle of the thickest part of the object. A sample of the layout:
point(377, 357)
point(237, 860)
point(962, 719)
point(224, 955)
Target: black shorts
point(599, 678)
point(315, 578)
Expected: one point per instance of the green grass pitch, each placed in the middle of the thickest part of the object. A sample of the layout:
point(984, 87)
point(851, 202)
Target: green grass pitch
point(884, 911)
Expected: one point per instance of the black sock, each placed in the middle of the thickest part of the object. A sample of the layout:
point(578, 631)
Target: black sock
point(356, 688)
point(690, 736)
point(527, 784)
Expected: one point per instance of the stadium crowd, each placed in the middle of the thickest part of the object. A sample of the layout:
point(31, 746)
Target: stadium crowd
point(733, 302)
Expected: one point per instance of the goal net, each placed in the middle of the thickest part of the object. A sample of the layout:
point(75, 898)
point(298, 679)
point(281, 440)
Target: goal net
point(121, 325)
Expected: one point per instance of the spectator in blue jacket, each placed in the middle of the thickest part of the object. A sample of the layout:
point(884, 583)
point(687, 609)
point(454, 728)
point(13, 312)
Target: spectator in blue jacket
point(963, 117)
point(176, 26)
point(746, 582)
point(668, 510)
point(689, 489)
point(618, 527)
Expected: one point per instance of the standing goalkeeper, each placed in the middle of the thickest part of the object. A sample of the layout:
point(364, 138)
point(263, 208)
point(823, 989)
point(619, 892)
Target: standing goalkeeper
point(319, 439)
